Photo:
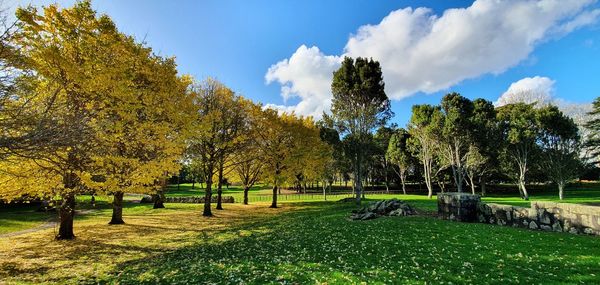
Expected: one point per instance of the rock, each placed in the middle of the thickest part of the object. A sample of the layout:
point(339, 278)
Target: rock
point(364, 216)
point(545, 228)
point(588, 231)
point(533, 225)
point(392, 207)
point(146, 199)
point(348, 200)
point(545, 218)
point(573, 230)
point(556, 227)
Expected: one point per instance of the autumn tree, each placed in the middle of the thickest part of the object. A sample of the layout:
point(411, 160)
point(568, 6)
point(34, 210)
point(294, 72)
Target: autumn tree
point(359, 106)
point(215, 135)
point(73, 61)
point(141, 130)
point(247, 163)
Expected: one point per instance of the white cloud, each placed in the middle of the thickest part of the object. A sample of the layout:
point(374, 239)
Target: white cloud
point(307, 74)
point(423, 52)
point(528, 90)
point(541, 91)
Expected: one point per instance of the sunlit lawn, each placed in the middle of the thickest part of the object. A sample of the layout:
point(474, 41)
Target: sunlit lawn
point(307, 242)
point(14, 219)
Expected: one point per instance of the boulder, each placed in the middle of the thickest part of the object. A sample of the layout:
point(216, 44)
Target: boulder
point(147, 199)
point(392, 207)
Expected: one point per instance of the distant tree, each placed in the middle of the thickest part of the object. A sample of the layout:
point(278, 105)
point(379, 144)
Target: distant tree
point(456, 135)
point(560, 143)
point(216, 133)
point(398, 153)
point(593, 125)
point(276, 141)
point(381, 142)
point(359, 106)
point(483, 151)
point(519, 129)
point(425, 127)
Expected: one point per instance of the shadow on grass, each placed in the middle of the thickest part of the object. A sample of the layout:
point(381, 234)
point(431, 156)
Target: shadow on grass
point(315, 243)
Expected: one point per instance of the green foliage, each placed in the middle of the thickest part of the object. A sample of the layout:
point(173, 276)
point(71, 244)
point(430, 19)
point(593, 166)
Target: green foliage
point(359, 106)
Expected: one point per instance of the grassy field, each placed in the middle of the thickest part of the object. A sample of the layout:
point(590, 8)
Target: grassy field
point(299, 243)
point(15, 219)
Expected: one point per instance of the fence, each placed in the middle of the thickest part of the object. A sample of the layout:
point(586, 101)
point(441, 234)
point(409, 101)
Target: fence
point(311, 196)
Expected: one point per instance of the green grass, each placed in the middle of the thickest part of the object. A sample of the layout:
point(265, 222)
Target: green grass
point(317, 244)
point(300, 243)
point(15, 219)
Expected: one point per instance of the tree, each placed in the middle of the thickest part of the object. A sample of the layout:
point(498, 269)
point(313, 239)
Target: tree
point(519, 130)
point(141, 129)
point(398, 153)
point(73, 62)
point(456, 134)
point(560, 143)
point(382, 140)
point(483, 151)
point(359, 106)
point(276, 142)
point(216, 133)
point(247, 160)
point(593, 125)
point(424, 128)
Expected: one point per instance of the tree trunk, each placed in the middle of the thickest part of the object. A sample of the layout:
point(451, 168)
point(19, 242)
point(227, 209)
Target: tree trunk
point(427, 174)
point(472, 184)
point(159, 200)
point(482, 186)
point(561, 189)
point(117, 214)
point(207, 196)
point(220, 189)
point(525, 196)
point(402, 180)
point(324, 190)
point(93, 201)
point(274, 202)
point(246, 188)
point(66, 215)
point(358, 181)
point(193, 184)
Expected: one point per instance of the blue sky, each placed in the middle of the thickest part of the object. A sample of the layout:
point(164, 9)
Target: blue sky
point(238, 41)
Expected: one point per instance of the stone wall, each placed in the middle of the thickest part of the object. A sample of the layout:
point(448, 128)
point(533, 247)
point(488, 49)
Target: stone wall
point(198, 200)
point(547, 216)
point(461, 207)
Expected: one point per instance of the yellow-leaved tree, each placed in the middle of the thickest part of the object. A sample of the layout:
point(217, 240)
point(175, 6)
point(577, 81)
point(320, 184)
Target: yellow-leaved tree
point(216, 133)
point(118, 109)
point(141, 130)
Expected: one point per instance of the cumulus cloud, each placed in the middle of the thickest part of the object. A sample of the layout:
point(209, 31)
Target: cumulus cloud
point(528, 90)
point(307, 74)
point(540, 90)
point(420, 51)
